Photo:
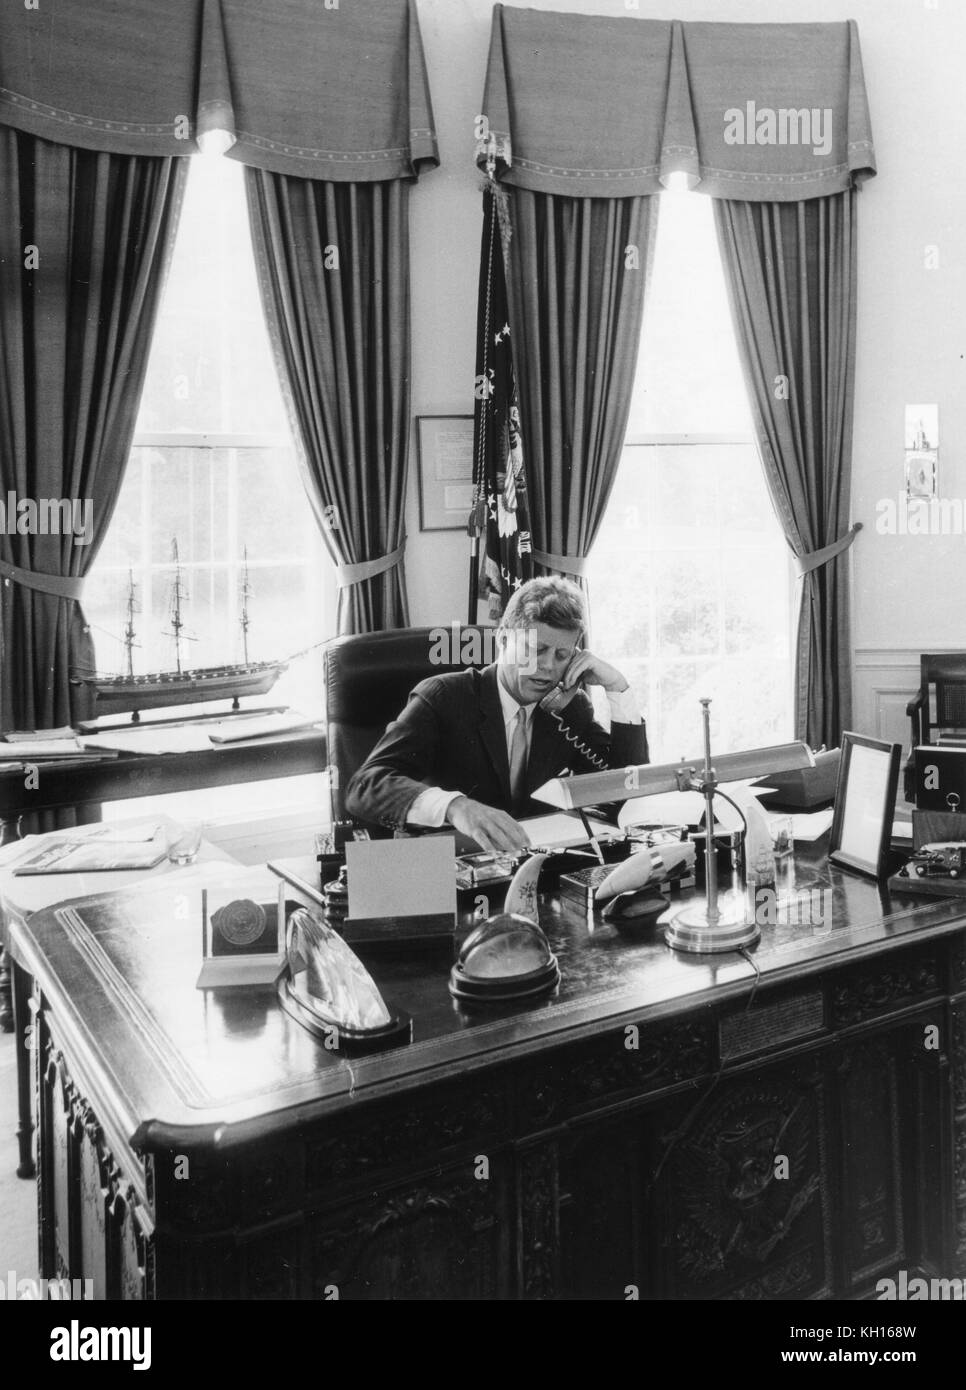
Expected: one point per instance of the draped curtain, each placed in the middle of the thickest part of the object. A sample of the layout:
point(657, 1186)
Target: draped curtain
point(577, 272)
point(333, 261)
point(584, 118)
point(790, 271)
point(84, 242)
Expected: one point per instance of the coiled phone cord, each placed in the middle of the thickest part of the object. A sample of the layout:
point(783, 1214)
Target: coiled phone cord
point(580, 747)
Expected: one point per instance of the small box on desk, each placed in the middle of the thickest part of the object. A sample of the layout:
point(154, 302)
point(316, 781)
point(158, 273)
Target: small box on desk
point(940, 778)
point(580, 886)
point(805, 788)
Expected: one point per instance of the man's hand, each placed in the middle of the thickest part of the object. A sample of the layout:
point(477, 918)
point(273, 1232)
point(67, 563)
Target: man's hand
point(593, 670)
point(492, 830)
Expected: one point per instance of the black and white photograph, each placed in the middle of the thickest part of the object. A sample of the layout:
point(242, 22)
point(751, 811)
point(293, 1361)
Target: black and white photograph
point(481, 664)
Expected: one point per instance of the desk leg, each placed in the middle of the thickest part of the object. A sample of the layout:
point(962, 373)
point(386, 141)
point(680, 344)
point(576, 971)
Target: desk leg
point(9, 832)
point(21, 1021)
point(6, 1005)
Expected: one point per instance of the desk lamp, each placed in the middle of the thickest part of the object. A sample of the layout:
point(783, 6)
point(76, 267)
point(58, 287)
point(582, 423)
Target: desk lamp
point(705, 925)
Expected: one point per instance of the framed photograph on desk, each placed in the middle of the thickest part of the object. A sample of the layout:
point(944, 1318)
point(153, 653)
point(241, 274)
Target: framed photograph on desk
point(445, 471)
point(865, 802)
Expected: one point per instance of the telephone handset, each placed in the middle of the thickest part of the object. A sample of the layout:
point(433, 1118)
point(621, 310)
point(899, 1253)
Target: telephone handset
point(554, 703)
point(556, 700)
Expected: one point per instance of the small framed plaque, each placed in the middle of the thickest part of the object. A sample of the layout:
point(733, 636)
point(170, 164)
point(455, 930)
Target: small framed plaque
point(242, 930)
point(445, 471)
point(865, 803)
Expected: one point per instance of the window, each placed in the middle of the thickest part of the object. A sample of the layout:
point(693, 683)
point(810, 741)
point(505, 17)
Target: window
point(213, 468)
point(690, 576)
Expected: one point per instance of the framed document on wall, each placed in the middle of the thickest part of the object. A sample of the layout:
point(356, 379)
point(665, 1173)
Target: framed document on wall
point(865, 803)
point(445, 444)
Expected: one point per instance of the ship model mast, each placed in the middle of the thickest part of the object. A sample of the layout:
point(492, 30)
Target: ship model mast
point(129, 632)
point(247, 592)
point(174, 617)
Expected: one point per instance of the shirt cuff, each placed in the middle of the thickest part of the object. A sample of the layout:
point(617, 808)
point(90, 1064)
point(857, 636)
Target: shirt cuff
point(430, 807)
point(623, 707)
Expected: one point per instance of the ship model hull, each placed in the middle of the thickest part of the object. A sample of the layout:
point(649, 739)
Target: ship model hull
point(116, 694)
point(160, 689)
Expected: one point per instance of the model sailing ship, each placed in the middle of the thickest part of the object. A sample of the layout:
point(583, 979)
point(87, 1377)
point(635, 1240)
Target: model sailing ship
point(116, 694)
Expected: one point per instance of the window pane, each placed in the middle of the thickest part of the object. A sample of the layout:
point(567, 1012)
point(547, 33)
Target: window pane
point(687, 604)
point(688, 374)
point(692, 611)
point(211, 364)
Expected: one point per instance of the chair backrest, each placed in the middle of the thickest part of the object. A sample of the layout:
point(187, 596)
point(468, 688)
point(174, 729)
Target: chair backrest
point(368, 679)
point(943, 685)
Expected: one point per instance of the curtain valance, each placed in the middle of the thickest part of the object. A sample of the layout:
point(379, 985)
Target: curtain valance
point(315, 88)
point(612, 107)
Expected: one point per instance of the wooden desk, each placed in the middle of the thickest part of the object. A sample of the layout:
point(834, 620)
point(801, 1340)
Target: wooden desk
point(665, 1122)
point(20, 898)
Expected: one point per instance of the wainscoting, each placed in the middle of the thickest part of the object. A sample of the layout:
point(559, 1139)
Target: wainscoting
point(884, 681)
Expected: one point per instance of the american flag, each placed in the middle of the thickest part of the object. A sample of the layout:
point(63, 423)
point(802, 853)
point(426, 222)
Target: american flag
point(500, 520)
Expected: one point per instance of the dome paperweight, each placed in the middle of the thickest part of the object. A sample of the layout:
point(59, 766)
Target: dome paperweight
point(505, 957)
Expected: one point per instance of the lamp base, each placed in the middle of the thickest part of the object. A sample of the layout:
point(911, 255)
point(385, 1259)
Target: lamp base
point(733, 929)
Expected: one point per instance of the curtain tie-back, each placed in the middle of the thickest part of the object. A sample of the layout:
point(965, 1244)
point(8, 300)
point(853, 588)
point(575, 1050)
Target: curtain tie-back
point(58, 585)
point(815, 558)
point(346, 575)
point(575, 565)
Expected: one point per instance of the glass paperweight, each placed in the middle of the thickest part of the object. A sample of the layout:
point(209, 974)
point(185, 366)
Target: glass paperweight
point(328, 990)
point(782, 830)
point(505, 957)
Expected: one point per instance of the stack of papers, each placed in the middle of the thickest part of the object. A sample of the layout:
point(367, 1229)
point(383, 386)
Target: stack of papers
point(563, 831)
point(258, 726)
point(678, 808)
point(176, 738)
point(806, 825)
point(687, 808)
point(45, 745)
point(198, 737)
point(103, 848)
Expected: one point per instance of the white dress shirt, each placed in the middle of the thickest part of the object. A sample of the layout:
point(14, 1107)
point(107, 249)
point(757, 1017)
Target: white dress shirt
point(429, 808)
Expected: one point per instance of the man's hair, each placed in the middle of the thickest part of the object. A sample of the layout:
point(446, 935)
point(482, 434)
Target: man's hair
point(556, 602)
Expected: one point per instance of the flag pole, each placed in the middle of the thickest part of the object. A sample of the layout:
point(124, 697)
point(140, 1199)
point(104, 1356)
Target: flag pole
point(474, 594)
point(477, 517)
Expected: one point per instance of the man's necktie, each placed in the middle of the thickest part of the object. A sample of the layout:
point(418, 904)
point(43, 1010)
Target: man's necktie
point(518, 759)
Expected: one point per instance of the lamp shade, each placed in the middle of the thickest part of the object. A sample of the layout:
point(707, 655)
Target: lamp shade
point(621, 783)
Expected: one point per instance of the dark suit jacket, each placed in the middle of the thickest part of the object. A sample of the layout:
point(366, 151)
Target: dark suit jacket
point(452, 735)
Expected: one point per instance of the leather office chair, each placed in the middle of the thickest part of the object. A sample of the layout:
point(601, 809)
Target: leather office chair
point(938, 707)
point(367, 681)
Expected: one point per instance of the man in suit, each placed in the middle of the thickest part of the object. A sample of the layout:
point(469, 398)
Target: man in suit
point(471, 746)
